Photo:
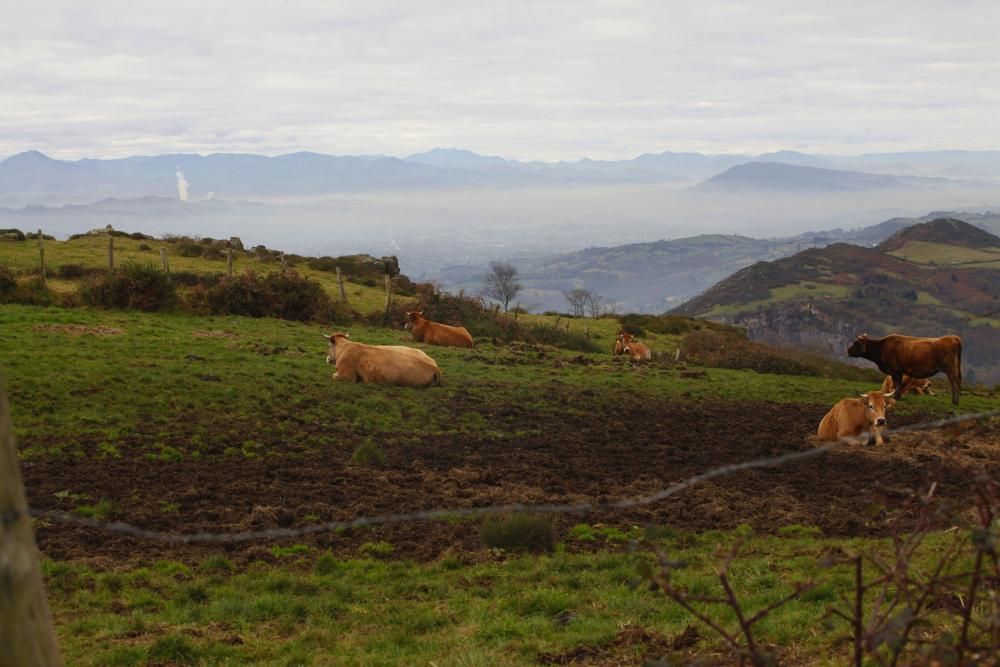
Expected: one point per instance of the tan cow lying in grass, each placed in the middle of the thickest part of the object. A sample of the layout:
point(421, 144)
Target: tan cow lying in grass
point(851, 417)
point(434, 333)
point(383, 364)
point(920, 387)
point(630, 345)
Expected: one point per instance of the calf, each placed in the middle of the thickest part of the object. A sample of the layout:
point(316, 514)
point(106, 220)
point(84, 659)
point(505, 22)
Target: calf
point(384, 364)
point(910, 386)
point(434, 333)
point(919, 358)
point(851, 417)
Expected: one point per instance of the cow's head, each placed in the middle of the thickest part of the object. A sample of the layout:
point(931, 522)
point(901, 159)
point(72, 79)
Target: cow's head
point(859, 347)
point(413, 317)
point(331, 355)
point(627, 340)
point(876, 403)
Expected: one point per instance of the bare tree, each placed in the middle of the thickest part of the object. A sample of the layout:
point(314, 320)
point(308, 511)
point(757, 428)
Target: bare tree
point(501, 284)
point(594, 303)
point(578, 299)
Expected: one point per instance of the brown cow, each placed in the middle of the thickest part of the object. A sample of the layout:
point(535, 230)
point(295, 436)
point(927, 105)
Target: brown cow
point(910, 386)
point(384, 364)
point(919, 358)
point(851, 417)
point(634, 348)
point(434, 333)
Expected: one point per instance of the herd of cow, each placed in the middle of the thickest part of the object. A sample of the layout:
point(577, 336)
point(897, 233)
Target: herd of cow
point(907, 361)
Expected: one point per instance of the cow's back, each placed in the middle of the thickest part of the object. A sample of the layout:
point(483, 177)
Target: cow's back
point(436, 333)
point(920, 358)
point(395, 364)
point(845, 418)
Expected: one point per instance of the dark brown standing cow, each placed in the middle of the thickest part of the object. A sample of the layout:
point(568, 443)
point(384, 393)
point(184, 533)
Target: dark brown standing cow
point(897, 355)
point(433, 333)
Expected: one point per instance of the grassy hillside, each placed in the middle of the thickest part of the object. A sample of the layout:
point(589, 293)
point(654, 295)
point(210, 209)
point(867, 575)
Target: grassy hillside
point(92, 251)
point(822, 297)
point(182, 424)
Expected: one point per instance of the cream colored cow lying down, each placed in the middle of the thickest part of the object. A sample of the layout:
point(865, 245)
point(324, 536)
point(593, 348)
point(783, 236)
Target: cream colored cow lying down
point(383, 364)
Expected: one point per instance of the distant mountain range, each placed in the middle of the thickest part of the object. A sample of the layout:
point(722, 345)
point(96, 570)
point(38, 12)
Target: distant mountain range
point(656, 276)
point(779, 176)
point(33, 178)
point(928, 279)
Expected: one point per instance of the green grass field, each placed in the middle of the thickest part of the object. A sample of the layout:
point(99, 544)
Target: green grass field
point(92, 387)
point(174, 395)
point(942, 254)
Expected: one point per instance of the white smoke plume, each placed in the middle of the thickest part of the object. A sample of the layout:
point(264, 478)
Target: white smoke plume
point(182, 186)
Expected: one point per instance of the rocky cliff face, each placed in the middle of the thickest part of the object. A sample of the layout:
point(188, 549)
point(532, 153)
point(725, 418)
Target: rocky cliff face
point(801, 325)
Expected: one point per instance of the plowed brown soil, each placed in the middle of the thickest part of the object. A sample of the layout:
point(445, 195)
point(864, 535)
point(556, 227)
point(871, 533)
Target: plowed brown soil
point(629, 450)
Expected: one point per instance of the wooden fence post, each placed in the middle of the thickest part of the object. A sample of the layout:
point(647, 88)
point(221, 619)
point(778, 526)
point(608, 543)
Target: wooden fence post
point(163, 261)
point(229, 258)
point(284, 264)
point(111, 249)
point(388, 292)
point(26, 633)
point(340, 282)
point(41, 253)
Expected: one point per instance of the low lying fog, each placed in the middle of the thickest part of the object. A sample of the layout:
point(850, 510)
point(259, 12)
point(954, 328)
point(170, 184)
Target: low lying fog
point(430, 230)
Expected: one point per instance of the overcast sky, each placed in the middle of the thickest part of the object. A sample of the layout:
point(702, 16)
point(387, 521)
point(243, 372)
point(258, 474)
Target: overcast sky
point(526, 80)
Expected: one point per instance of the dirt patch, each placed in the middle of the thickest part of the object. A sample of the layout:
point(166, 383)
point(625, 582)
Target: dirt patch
point(632, 645)
point(212, 333)
point(79, 330)
point(608, 453)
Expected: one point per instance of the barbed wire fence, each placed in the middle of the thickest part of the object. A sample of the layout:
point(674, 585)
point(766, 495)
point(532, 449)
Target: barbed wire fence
point(274, 534)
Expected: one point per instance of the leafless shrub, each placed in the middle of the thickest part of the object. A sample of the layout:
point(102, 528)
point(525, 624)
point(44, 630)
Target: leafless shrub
point(932, 598)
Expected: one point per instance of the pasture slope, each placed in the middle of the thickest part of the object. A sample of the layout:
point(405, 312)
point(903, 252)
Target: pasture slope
point(183, 424)
point(928, 279)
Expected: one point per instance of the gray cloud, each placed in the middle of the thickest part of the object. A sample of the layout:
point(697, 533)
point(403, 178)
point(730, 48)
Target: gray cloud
point(531, 80)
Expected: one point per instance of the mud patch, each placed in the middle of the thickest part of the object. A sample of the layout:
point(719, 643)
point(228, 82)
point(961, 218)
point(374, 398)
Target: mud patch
point(79, 330)
point(303, 475)
point(632, 645)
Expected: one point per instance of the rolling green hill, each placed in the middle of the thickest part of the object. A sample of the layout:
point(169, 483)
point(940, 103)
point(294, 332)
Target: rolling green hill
point(929, 279)
point(365, 291)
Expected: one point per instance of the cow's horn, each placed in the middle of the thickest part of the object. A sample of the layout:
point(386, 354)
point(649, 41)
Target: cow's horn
point(889, 395)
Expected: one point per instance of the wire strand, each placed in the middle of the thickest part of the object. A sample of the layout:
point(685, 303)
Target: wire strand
point(271, 534)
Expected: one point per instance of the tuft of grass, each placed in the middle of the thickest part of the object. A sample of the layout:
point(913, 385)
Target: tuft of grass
point(293, 550)
point(380, 548)
point(368, 453)
point(326, 564)
point(174, 649)
point(519, 532)
point(100, 510)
